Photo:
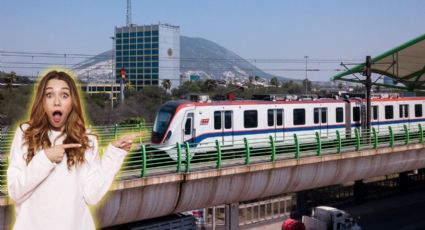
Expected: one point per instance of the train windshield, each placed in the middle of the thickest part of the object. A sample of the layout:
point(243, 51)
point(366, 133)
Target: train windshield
point(163, 118)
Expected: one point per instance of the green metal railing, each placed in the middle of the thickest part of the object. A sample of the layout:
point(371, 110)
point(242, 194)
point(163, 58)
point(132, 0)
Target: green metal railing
point(145, 161)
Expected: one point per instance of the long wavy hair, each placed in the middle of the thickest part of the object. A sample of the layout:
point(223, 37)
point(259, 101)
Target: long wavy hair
point(36, 135)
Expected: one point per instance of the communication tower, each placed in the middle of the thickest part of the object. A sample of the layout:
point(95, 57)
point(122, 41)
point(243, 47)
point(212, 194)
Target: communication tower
point(128, 12)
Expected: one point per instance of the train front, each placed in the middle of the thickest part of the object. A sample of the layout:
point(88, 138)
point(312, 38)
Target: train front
point(165, 129)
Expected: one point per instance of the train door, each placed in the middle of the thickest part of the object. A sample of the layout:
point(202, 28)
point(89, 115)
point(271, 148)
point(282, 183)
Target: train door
point(188, 131)
point(223, 122)
point(403, 110)
point(275, 122)
point(321, 119)
point(356, 116)
point(280, 134)
point(375, 117)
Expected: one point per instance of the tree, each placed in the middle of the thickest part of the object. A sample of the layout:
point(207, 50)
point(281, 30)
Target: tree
point(210, 84)
point(340, 86)
point(307, 85)
point(274, 82)
point(292, 87)
point(129, 86)
point(11, 79)
point(187, 87)
point(166, 84)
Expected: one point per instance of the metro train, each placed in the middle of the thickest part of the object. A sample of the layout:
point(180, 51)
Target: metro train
point(201, 123)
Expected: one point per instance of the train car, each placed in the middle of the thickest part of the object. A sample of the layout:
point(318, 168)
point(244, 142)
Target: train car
point(201, 123)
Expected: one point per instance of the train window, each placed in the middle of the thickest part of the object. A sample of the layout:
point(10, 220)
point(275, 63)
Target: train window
point(375, 112)
point(188, 126)
point(356, 114)
point(403, 111)
point(324, 115)
point(320, 115)
point(270, 117)
point(250, 119)
point(389, 112)
point(228, 119)
point(217, 120)
point(339, 114)
point(418, 110)
point(299, 116)
point(279, 117)
point(406, 111)
point(316, 115)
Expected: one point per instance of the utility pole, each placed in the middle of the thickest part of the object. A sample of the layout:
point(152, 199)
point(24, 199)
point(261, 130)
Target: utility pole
point(368, 84)
point(306, 78)
point(32, 67)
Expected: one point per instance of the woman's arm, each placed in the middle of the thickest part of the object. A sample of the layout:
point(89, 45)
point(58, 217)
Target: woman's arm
point(101, 172)
point(23, 179)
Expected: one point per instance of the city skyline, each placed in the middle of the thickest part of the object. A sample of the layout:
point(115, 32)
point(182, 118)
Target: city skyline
point(279, 31)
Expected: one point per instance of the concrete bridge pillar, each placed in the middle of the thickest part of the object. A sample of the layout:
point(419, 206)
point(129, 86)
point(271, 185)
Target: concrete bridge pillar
point(232, 216)
point(302, 206)
point(403, 182)
point(358, 191)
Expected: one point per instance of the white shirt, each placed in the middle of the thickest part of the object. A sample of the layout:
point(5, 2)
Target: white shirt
point(48, 195)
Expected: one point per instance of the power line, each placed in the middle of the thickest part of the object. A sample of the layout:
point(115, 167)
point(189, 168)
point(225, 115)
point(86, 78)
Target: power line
point(165, 58)
point(199, 67)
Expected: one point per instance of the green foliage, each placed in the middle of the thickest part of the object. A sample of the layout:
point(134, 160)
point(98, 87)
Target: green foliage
point(187, 87)
point(132, 121)
point(14, 104)
point(292, 87)
point(274, 82)
point(100, 99)
point(209, 85)
point(139, 106)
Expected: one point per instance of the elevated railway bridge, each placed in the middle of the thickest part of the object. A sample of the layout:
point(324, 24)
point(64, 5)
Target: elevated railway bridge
point(151, 184)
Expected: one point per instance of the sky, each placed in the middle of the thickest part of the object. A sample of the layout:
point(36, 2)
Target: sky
point(257, 30)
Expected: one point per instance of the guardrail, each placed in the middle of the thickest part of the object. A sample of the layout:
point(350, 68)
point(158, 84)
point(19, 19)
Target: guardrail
point(145, 161)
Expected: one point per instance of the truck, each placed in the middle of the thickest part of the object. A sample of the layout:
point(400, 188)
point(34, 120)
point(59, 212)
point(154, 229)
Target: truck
point(329, 218)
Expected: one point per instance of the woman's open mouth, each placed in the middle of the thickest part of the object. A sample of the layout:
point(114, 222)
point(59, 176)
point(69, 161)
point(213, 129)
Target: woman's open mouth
point(57, 115)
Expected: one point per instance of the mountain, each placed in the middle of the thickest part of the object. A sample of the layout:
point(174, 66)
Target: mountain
point(95, 69)
point(202, 57)
point(198, 56)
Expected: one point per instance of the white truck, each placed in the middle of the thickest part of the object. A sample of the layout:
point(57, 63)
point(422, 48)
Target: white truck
point(329, 218)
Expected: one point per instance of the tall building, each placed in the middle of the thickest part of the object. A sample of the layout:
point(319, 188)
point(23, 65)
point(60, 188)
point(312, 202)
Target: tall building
point(149, 54)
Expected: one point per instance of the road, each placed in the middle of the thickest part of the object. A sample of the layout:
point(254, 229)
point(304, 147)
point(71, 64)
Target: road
point(405, 212)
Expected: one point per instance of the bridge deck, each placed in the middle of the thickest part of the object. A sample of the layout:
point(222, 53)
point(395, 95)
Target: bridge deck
point(149, 192)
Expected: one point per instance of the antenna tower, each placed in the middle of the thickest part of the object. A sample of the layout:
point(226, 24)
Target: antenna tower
point(128, 12)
